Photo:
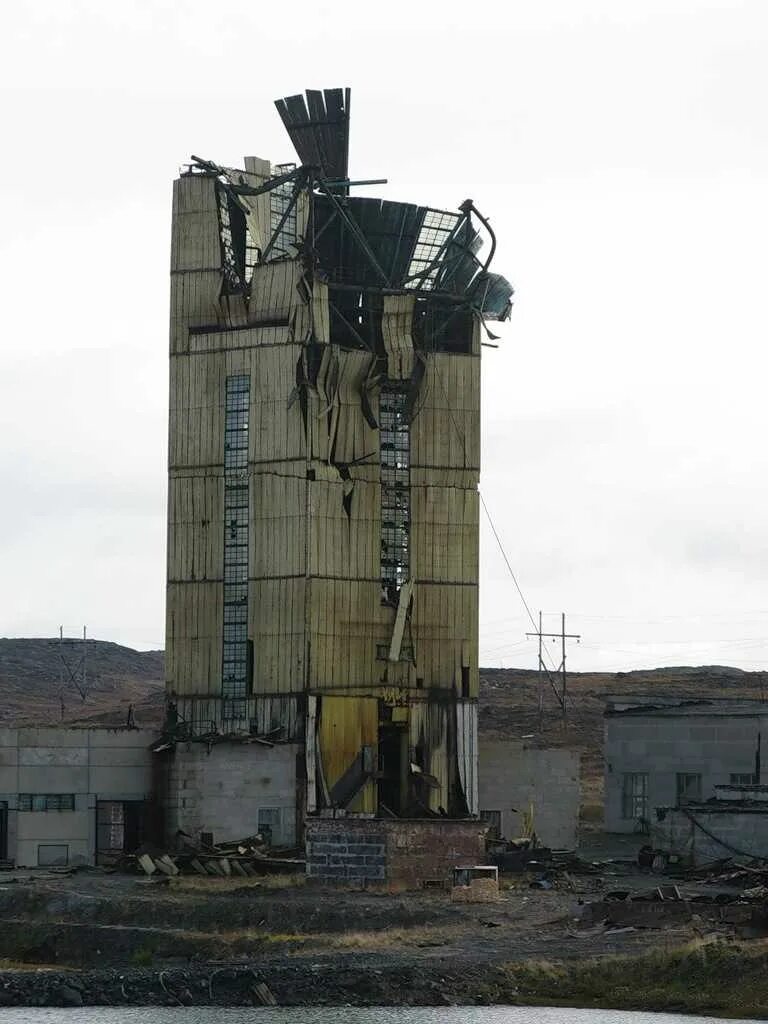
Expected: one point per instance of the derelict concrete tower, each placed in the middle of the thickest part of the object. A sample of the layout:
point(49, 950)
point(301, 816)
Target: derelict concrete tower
point(324, 457)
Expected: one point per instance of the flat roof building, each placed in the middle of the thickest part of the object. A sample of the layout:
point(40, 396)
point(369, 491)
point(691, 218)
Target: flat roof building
point(663, 751)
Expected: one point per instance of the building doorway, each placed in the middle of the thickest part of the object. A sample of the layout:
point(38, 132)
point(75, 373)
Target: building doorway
point(393, 770)
point(120, 828)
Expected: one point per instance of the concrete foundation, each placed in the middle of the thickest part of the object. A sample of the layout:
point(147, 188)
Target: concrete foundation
point(232, 790)
point(516, 779)
point(396, 854)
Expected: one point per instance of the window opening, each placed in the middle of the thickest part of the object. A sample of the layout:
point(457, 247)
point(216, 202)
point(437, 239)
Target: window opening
point(493, 821)
point(688, 787)
point(46, 802)
point(436, 228)
point(634, 797)
point(252, 255)
point(395, 447)
point(235, 682)
point(232, 233)
point(743, 779)
point(270, 825)
point(279, 201)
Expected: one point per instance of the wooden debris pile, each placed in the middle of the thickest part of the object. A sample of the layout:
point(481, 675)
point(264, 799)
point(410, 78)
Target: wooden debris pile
point(245, 858)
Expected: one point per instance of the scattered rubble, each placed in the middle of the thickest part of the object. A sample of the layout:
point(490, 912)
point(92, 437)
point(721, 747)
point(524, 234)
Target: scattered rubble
point(247, 857)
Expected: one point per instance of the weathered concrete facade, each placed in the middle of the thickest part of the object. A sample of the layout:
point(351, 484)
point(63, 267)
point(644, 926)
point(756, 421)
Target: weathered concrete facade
point(324, 458)
point(391, 854)
point(231, 790)
point(55, 782)
point(545, 785)
point(734, 824)
point(660, 752)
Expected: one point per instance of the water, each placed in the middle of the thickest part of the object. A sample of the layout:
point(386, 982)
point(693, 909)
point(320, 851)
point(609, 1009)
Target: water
point(348, 1015)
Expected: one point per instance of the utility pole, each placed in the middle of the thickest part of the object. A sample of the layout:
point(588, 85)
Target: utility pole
point(562, 692)
point(61, 671)
point(77, 675)
point(85, 660)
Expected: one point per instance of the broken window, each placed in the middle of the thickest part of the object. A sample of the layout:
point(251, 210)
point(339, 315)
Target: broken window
point(431, 242)
point(280, 201)
point(493, 820)
point(634, 796)
point(269, 825)
point(395, 447)
point(442, 326)
point(234, 243)
point(688, 787)
point(235, 660)
point(356, 319)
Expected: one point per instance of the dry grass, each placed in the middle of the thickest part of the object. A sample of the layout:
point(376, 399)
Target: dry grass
point(21, 965)
point(196, 883)
point(386, 938)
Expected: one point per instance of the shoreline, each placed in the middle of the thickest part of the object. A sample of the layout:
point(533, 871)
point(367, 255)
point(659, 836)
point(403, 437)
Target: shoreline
point(709, 979)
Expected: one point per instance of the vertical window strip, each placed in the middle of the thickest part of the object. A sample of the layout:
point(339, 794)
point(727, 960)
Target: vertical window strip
point(279, 199)
point(234, 672)
point(395, 460)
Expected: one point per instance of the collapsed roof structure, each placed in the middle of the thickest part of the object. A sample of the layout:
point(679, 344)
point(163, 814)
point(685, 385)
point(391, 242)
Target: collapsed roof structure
point(356, 244)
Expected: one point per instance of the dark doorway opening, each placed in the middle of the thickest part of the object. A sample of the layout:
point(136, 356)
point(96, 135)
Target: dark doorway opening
point(120, 828)
point(393, 770)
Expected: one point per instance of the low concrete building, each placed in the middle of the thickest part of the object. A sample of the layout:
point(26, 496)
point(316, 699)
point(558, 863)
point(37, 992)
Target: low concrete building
point(521, 786)
point(74, 796)
point(667, 752)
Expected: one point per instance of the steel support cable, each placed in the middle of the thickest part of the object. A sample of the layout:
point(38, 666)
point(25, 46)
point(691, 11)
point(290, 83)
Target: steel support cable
point(461, 437)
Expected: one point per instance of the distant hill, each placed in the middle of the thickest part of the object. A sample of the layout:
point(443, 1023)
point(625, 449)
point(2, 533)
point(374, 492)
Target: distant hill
point(34, 683)
point(118, 676)
point(509, 705)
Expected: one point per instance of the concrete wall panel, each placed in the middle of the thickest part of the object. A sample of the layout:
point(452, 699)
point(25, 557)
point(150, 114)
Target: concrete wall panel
point(222, 789)
point(515, 778)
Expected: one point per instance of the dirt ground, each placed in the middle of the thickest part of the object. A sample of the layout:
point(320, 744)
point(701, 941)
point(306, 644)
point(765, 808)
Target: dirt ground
point(91, 919)
point(94, 938)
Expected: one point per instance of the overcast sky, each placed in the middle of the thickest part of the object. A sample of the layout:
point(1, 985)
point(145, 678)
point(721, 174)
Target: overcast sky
point(621, 150)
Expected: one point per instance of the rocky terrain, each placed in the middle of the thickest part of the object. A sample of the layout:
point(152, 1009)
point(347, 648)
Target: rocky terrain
point(39, 687)
point(36, 688)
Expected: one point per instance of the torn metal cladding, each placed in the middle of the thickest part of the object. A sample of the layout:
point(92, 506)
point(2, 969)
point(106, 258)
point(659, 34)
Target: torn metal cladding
point(347, 481)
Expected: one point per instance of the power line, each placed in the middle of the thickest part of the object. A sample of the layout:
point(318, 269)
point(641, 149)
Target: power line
point(542, 666)
point(504, 556)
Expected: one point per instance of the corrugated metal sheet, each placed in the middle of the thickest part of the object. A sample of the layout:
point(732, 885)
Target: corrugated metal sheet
point(204, 715)
point(429, 744)
point(347, 724)
point(466, 752)
point(319, 129)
